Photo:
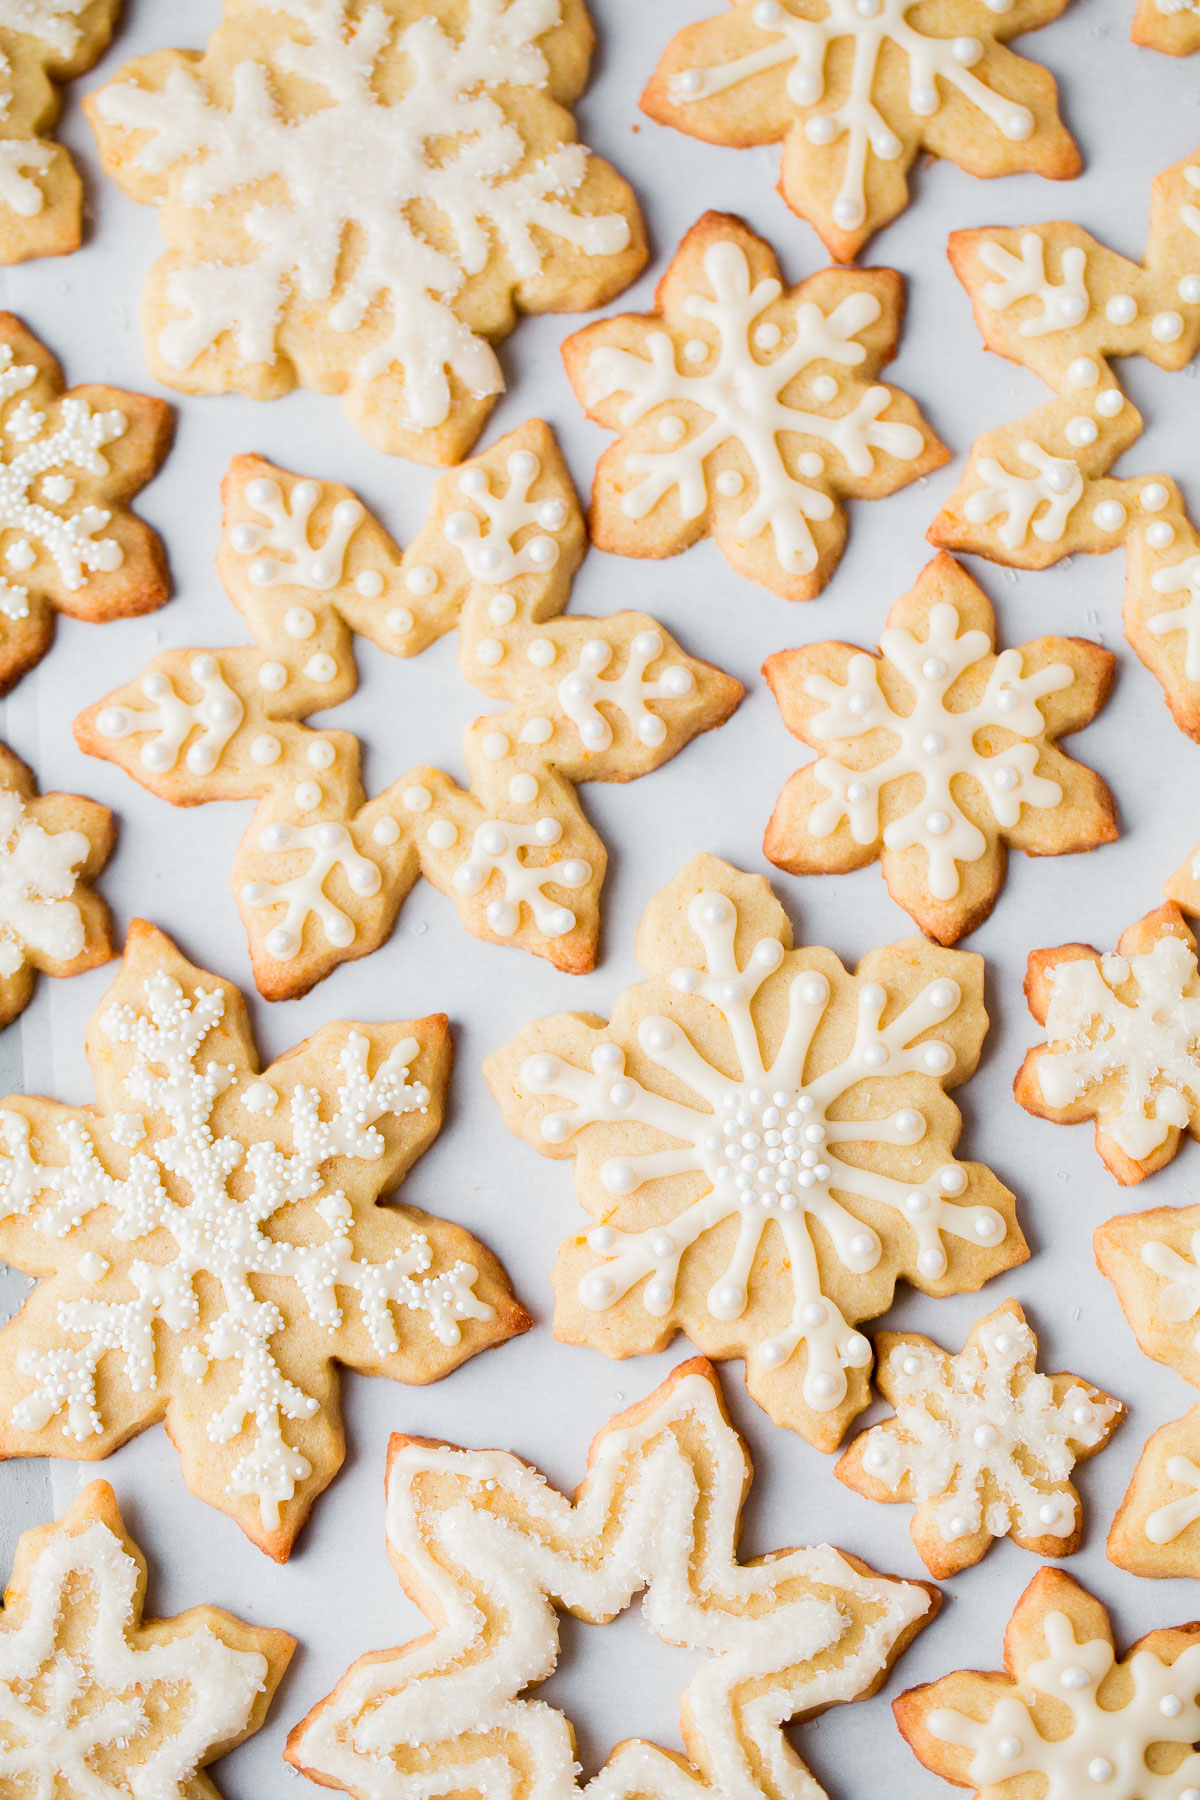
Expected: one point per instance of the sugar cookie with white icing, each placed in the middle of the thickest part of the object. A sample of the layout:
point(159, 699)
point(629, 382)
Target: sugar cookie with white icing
point(1156, 1531)
point(1151, 1258)
point(1172, 26)
point(1066, 1718)
point(98, 1700)
point(747, 410)
point(764, 1142)
point(322, 869)
point(425, 186)
point(857, 90)
point(209, 1243)
point(1123, 1042)
point(488, 1550)
point(978, 728)
point(982, 1443)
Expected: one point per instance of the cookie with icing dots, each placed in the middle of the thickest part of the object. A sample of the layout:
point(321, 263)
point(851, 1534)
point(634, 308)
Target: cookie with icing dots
point(764, 1143)
point(98, 1699)
point(977, 728)
point(43, 43)
point(52, 921)
point(981, 1443)
point(856, 90)
point(1172, 26)
point(426, 187)
point(1065, 1717)
point(1122, 1029)
point(748, 411)
point(489, 1551)
point(70, 464)
point(209, 1242)
point(322, 869)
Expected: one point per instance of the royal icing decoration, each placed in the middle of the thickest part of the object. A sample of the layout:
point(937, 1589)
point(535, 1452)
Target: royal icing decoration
point(1123, 1042)
point(489, 1549)
point(453, 115)
point(974, 726)
point(849, 136)
point(96, 1703)
point(209, 1175)
point(981, 1442)
point(41, 197)
point(766, 1147)
point(1153, 1533)
point(323, 870)
point(1151, 1259)
point(748, 410)
point(1057, 1713)
point(1172, 26)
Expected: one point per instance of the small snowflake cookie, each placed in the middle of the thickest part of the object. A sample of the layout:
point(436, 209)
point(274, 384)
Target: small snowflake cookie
point(98, 1701)
point(977, 728)
point(52, 846)
point(1172, 26)
point(1156, 1532)
point(981, 1443)
point(211, 1243)
point(1065, 1711)
point(488, 1551)
point(322, 870)
point(360, 199)
point(42, 43)
point(748, 411)
point(1123, 1042)
point(855, 96)
point(70, 463)
point(765, 1144)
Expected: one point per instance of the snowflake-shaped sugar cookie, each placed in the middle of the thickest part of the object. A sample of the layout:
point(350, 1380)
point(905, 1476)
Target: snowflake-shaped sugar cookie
point(765, 1144)
point(747, 410)
point(52, 846)
point(981, 1442)
point(359, 199)
point(69, 465)
point(489, 1550)
point(977, 728)
point(322, 870)
point(1156, 1531)
point(855, 90)
point(97, 1702)
point(1123, 1042)
point(211, 1242)
point(1065, 1710)
point(1172, 26)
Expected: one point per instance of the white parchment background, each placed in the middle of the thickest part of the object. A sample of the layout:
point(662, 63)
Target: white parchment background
point(1133, 112)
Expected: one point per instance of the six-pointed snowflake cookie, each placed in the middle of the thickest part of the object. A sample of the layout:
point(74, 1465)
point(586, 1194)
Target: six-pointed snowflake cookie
point(1123, 1042)
point(70, 463)
point(322, 870)
point(42, 43)
point(1172, 26)
point(488, 1550)
point(95, 1700)
point(211, 1242)
point(1065, 1711)
point(939, 752)
point(747, 410)
point(360, 199)
point(855, 90)
point(52, 847)
point(765, 1144)
point(981, 1443)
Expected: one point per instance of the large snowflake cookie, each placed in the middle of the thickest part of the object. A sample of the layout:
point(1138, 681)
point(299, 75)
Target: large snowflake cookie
point(52, 846)
point(1123, 1042)
point(488, 1550)
point(765, 1145)
point(211, 1242)
point(1172, 26)
point(748, 410)
point(981, 1442)
point(360, 199)
point(322, 870)
point(1055, 300)
point(856, 90)
point(937, 753)
point(70, 463)
point(95, 1700)
point(42, 43)
point(1065, 1711)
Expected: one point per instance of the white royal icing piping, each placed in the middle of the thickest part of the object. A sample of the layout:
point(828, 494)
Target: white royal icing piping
point(585, 688)
point(170, 721)
point(38, 873)
point(1057, 484)
point(496, 850)
point(331, 847)
point(1064, 303)
point(490, 553)
point(298, 562)
point(1168, 1522)
point(1174, 579)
